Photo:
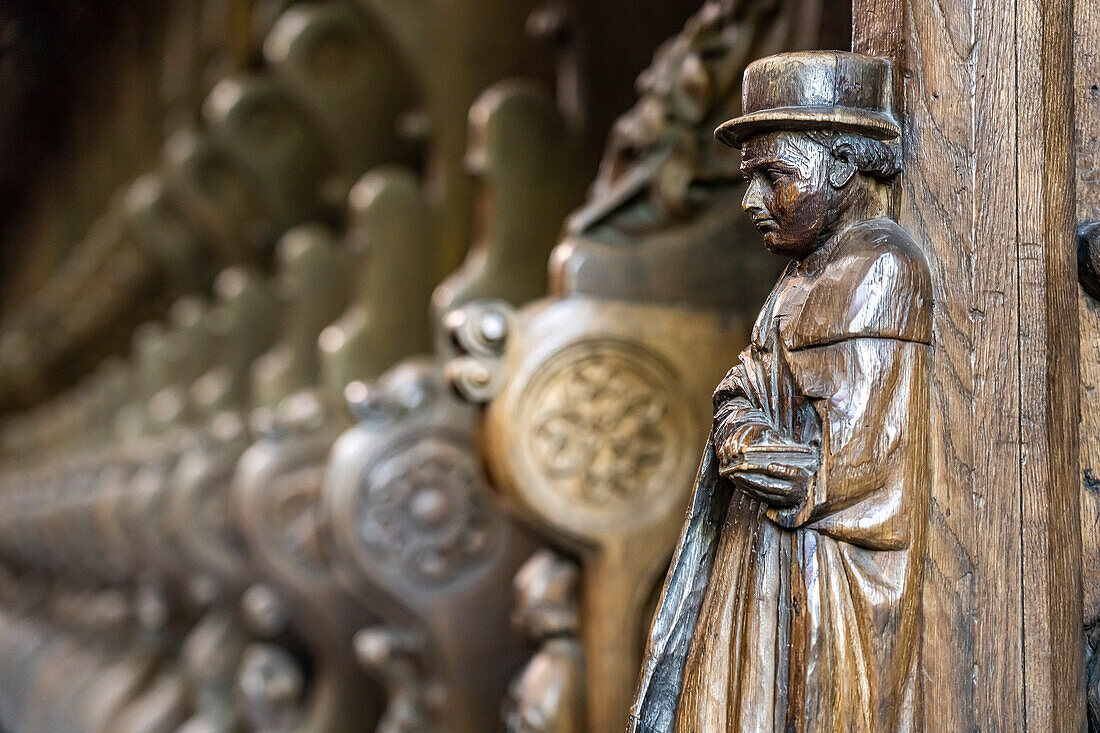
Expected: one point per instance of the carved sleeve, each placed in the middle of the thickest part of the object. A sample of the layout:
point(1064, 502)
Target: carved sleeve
point(871, 397)
point(738, 415)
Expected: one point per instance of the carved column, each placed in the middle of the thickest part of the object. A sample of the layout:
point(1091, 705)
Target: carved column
point(987, 191)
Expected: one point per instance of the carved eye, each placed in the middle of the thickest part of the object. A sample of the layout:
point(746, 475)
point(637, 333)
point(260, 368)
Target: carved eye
point(774, 174)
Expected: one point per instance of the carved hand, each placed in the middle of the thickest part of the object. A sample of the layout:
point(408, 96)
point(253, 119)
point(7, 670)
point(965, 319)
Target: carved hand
point(777, 484)
point(770, 468)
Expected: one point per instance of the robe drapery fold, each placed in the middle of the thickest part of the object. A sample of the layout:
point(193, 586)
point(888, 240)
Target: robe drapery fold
point(807, 618)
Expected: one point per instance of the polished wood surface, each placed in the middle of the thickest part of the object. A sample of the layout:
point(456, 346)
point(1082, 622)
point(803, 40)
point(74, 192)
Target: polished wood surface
point(404, 445)
point(987, 159)
point(793, 600)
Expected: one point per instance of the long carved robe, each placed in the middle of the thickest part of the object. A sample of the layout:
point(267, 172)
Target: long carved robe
point(807, 618)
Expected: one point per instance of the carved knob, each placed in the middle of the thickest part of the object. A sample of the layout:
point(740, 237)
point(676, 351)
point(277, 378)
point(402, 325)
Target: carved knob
point(479, 332)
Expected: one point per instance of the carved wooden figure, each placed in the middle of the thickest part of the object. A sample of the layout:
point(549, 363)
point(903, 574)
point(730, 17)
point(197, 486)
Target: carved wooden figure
point(793, 600)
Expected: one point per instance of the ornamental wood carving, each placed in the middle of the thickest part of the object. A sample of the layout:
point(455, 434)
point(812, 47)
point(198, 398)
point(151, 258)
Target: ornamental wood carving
point(413, 529)
point(596, 396)
point(805, 538)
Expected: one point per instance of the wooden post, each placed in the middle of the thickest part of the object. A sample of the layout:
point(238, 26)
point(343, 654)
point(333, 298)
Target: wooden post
point(1086, 63)
point(988, 190)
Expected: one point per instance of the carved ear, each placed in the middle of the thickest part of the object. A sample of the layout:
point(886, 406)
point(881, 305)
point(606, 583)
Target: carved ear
point(841, 172)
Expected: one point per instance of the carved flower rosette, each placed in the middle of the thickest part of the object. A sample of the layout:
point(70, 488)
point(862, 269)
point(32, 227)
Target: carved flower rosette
point(600, 430)
point(420, 510)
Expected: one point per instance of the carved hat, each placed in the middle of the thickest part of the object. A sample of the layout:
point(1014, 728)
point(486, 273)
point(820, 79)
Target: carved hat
point(813, 90)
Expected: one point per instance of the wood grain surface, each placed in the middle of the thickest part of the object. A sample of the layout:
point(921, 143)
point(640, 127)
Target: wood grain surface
point(1086, 54)
point(988, 192)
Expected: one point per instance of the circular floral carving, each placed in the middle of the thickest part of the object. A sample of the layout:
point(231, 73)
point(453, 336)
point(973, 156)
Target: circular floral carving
point(423, 510)
point(291, 523)
point(602, 424)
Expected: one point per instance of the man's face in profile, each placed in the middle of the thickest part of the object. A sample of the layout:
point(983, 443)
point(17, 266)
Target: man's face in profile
point(789, 196)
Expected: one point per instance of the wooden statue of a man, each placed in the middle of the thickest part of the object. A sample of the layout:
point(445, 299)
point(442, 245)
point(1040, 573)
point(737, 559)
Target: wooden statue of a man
point(793, 600)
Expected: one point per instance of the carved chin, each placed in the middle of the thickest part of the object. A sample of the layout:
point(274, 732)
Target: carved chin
point(772, 242)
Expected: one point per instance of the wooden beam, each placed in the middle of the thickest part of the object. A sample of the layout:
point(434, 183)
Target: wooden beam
point(988, 191)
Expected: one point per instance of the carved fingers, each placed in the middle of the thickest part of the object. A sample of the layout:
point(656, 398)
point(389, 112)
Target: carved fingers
point(768, 466)
point(777, 485)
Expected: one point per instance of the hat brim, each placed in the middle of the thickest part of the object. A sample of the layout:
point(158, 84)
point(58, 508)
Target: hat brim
point(842, 119)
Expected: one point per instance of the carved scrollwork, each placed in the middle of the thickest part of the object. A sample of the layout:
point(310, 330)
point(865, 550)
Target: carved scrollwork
point(480, 330)
point(421, 510)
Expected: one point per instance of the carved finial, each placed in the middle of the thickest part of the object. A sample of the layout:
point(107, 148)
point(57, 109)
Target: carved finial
point(217, 197)
point(391, 237)
point(523, 156)
point(156, 225)
point(262, 132)
point(556, 24)
point(242, 324)
point(342, 70)
point(187, 352)
point(314, 282)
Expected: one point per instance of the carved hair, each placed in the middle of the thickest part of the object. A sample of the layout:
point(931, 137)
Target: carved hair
point(874, 158)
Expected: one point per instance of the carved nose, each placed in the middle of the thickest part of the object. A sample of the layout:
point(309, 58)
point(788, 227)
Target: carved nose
point(754, 198)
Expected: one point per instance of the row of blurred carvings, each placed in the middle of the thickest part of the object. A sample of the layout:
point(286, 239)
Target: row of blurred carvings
point(339, 496)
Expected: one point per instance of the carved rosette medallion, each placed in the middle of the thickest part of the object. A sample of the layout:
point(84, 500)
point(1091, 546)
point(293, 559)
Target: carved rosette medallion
point(290, 521)
point(601, 426)
point(421, 511)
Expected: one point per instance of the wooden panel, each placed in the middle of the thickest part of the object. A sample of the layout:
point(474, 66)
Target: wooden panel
point(1053, 678)
point(1087, 117)
point(986, 190)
